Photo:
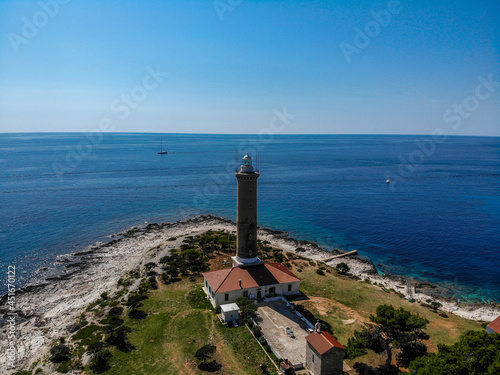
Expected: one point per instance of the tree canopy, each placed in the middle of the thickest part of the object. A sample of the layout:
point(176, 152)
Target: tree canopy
point(247, 307)
point(392, 327)
point(476, 353)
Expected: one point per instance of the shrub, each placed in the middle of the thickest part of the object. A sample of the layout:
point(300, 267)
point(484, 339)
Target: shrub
point(165, 278)
point(100, 362)
point(320, 272)
point(60, 353)
point(135, 300)
point(212, 366)
point(120, 340)
point(95, 347)
point(150, 265)
point(137, 314)
point(115, 311)
point(436, 305)
point(112, 323)
point(166, 259)
point(205, 352)
point(86, 332)
point(104, 296)
point(256, 331)
point(247, 306)
point(63, 368)
point(153, 284)
point(342, 268)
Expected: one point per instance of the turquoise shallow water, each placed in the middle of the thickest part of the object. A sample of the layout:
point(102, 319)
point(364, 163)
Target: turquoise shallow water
point(439, 222)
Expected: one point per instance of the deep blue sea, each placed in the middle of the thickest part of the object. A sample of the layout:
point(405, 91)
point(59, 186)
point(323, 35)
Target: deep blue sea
point(438, 219)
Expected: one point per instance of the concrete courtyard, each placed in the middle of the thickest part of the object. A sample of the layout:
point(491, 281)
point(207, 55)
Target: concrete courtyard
point(275, 318)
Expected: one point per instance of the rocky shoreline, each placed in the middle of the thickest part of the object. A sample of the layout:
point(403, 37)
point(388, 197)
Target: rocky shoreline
point(48, 310)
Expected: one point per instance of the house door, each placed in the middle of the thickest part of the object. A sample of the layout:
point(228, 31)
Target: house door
point(259, 293)
point(272, 291)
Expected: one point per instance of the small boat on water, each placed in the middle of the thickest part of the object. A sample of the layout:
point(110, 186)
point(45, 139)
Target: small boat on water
point(161, 152)
point(387, 181)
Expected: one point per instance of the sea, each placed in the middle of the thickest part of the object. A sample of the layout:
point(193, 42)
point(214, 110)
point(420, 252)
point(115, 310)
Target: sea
point(437, 220)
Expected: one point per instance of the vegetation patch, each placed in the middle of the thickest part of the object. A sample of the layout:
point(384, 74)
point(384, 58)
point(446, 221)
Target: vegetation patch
point(87, 332)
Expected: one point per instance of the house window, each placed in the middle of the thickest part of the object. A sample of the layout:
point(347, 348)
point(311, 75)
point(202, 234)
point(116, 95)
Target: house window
point(226, 297)
point(245, 293)
point(289, 287)
point(313, 358)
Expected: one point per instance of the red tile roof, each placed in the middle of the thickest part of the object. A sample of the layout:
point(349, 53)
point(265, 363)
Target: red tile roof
point(495, 325)
point(323, 341)
point(252, 276)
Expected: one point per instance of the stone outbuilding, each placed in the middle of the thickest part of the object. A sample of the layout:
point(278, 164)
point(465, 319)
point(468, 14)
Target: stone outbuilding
point(324, 354)
point(229, 312)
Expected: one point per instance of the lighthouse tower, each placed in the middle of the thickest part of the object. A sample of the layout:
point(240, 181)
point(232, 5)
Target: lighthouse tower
point(246, 253)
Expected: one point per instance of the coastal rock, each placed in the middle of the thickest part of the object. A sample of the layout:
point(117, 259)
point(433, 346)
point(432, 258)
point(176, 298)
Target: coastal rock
point(50, 310)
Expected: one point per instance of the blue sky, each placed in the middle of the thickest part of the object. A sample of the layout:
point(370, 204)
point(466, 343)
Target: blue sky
point(67, 65)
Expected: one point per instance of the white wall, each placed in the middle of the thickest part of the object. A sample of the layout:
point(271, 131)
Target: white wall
point(281, 289)
point(230, 316)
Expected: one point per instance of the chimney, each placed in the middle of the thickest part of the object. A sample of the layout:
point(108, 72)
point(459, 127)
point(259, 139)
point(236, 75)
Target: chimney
point(240, 283)
point(317, 327)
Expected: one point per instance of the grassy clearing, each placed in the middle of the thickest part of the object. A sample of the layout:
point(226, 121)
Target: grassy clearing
point(350, 299)
point(346, 304)
point(179, 322)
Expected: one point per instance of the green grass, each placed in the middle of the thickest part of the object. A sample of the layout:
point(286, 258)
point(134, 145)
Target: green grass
point(357, 300)
point(88, 334)
point(179, 322)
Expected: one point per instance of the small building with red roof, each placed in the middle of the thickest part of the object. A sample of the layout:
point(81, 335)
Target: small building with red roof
point(324, 354)
point(494, 326)
point(255, 282)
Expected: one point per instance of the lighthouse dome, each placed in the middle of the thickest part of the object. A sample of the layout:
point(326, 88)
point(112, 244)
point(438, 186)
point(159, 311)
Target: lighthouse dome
point(246, 165)
point(247, 160)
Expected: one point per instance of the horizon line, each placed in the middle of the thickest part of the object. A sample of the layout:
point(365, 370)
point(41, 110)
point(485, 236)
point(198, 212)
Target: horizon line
point(253, 134)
